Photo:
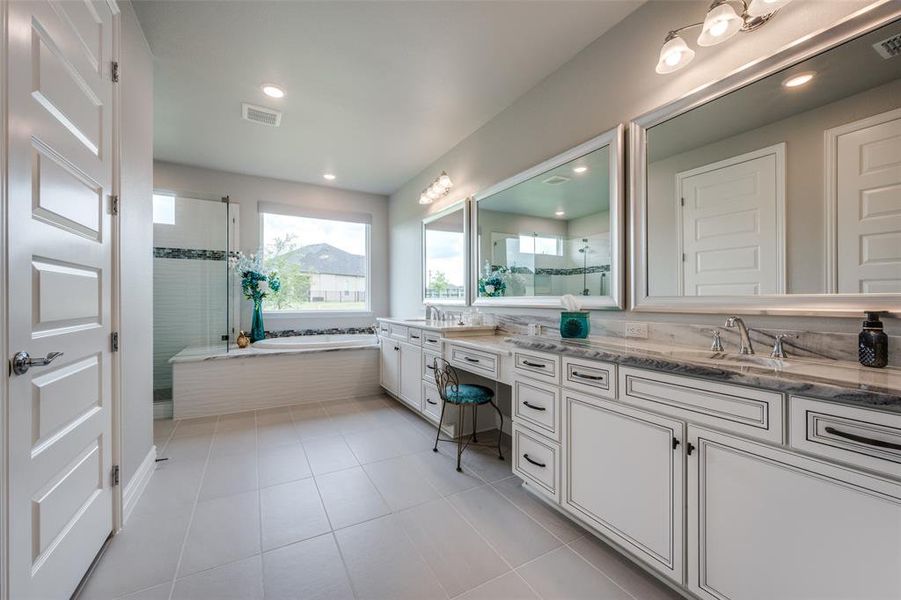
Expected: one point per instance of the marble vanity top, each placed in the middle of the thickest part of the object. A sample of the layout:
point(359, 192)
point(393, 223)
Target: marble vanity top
point(499, 344)
point(442, 326)
point(837, 381)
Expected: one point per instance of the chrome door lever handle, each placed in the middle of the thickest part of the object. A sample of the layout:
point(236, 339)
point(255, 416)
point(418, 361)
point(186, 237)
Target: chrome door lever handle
point(22, 361)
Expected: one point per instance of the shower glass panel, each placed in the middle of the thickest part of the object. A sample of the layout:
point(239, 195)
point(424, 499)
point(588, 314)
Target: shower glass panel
point(191, 282)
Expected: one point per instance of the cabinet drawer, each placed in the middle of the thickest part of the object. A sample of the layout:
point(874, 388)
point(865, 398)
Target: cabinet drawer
point(428, 368)
point(414, 336)
point(588, 376)
point(747, 411)
point(431, 340)
point(398, 332)
point(384, 329)
point(431, 401)
point(537, 406)
point(476, 361)
point(537, 461)
point(545, 367)
point(863, 438)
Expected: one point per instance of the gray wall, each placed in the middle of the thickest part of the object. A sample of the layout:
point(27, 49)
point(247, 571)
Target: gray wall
point(248, 191)
point(609, 82)
point(136, 220)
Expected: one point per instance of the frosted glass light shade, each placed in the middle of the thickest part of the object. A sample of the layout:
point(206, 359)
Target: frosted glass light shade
point(760, 8)
point(720, 24)
point(674, 55)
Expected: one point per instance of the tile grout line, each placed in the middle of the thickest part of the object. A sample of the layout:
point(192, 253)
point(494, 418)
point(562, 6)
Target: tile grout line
point(585, 559)
point(256, 432)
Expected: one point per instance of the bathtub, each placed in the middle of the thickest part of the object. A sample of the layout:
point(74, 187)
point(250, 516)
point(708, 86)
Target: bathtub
point(311, 342)
point(274, 372)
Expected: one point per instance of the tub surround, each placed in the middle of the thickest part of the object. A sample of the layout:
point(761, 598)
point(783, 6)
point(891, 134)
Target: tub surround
point(207, 353)
point(279, 333)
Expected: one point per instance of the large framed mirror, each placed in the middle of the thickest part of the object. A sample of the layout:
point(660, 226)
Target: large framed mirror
point(778, 189)
point(445, 255)
point(554, 229)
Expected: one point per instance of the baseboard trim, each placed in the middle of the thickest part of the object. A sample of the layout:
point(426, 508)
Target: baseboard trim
point(137, 484)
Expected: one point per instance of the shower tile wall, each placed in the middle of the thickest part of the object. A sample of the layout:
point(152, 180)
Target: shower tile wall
point(189, 285)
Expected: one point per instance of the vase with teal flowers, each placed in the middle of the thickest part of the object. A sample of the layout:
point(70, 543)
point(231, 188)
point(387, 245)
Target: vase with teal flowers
point(257, 282)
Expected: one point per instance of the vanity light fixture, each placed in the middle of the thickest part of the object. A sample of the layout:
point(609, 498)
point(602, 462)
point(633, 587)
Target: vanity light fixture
point(437, 189)
point(273, 91)
point(798, 80)
point(721, 23)
point(579, 169)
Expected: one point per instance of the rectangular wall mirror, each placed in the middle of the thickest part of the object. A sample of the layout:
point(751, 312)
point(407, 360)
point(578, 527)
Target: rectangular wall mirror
point(445, 255)
point(783, 192)
point(554, 229)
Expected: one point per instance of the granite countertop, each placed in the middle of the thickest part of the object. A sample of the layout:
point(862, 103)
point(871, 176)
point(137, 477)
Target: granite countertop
point(499, 344)
point(204, 353)
point(837, 381)
point(443, 327)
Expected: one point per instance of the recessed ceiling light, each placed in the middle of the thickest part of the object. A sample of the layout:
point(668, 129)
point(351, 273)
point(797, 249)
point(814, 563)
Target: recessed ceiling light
point(579, 169)
point(560, 213)
point(798, 80)
point(329, 176)
point(273, 91)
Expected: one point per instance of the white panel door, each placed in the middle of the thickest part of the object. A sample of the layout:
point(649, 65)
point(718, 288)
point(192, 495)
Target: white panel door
point(60, 178)
point(390, 365)
point(623, 473)
point(766, 523)
point(868, 205)
point(411, 375)
point(732, 225)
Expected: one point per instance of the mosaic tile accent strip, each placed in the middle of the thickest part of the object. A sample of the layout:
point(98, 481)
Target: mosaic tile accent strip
point(549, 271)
point(189, 253)
point(331, 331)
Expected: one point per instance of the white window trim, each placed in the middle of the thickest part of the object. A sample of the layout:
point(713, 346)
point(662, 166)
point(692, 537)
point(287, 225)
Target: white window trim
point(290, 211)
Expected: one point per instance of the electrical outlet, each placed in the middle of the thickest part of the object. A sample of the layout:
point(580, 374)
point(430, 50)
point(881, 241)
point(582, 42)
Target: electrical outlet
point(637, 330)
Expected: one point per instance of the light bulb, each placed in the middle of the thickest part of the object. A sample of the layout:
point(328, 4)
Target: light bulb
point(720, 24)
point(674, 55)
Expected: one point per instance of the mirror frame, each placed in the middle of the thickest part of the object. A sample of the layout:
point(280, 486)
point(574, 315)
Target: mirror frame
point(616, 299)
point(855, 25)
point(463, 205)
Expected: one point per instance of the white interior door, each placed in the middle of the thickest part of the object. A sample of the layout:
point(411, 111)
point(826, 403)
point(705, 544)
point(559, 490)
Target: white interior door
point(868, 205)
point(732, 215)
point(60, 177)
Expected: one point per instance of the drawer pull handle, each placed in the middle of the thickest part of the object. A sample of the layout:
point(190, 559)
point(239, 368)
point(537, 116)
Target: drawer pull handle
point(591, 377)
point(532, 406)
point(863, 440)
point(431, 340)
point(534, 462)
point(432, 367)
point(415, 337)
point(536, 365)
point(432, 402)
point(472, 360)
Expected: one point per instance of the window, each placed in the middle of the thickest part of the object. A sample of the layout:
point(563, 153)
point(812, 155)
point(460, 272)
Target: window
point(323, 264)
point(535, 244)
point(163, 209)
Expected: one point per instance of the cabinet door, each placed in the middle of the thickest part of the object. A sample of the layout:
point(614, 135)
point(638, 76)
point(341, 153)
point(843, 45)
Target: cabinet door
point(766, 523)
point(411, 375)
point(389, 369)
point(624, 475)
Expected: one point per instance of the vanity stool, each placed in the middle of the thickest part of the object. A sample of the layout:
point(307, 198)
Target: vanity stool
point(462, 395)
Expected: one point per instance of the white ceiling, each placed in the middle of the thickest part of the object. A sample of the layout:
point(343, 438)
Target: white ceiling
point(376, 90)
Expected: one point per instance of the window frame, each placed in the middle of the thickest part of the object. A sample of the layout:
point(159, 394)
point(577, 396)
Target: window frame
point(265, 208)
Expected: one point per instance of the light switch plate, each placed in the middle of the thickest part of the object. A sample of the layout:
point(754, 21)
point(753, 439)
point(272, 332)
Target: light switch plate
point(637, 330)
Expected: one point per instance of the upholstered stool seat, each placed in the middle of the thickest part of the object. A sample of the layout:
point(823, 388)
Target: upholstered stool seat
point(468, 393)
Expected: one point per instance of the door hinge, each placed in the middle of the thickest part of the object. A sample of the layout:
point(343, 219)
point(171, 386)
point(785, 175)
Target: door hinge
point(114, 341)
point(115, 475)
point(114, 204)
point(115, 71)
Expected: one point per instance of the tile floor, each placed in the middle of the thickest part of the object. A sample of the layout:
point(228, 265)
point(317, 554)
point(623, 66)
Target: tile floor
point(346, 500)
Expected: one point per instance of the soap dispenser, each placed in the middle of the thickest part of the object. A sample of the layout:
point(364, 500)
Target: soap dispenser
point(872, 348)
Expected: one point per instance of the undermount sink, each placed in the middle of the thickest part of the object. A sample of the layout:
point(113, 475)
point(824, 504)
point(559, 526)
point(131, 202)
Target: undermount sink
point(753, 360)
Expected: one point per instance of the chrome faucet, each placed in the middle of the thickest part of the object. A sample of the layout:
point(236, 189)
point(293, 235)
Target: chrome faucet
point(432, 312)
point(745, 343)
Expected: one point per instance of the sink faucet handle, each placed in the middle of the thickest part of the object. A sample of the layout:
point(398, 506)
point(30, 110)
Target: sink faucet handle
point(778, 350)
point(717, 345)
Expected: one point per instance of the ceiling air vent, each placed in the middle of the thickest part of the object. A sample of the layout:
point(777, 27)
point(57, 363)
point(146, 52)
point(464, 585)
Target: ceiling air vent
point(261, 115)
point(555, 180)
point(889, 48)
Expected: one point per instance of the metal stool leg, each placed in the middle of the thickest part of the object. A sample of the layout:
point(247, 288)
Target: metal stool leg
point(475, 415)
point(500, 432)
point(459, 433)
point(440, 421)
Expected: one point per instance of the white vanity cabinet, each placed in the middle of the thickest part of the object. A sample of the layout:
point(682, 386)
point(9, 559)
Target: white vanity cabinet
point(767, 523)
point(389, 364)
point(411, 375)
point(623, 474)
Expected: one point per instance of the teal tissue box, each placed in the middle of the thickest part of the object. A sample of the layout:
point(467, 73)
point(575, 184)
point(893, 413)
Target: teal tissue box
point(575, 325)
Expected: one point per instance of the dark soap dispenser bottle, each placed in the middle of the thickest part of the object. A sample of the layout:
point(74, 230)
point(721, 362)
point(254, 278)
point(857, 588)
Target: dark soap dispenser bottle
point(872, 348)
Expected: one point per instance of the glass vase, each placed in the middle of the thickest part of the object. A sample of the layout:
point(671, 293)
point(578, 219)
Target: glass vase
point(257, 332)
